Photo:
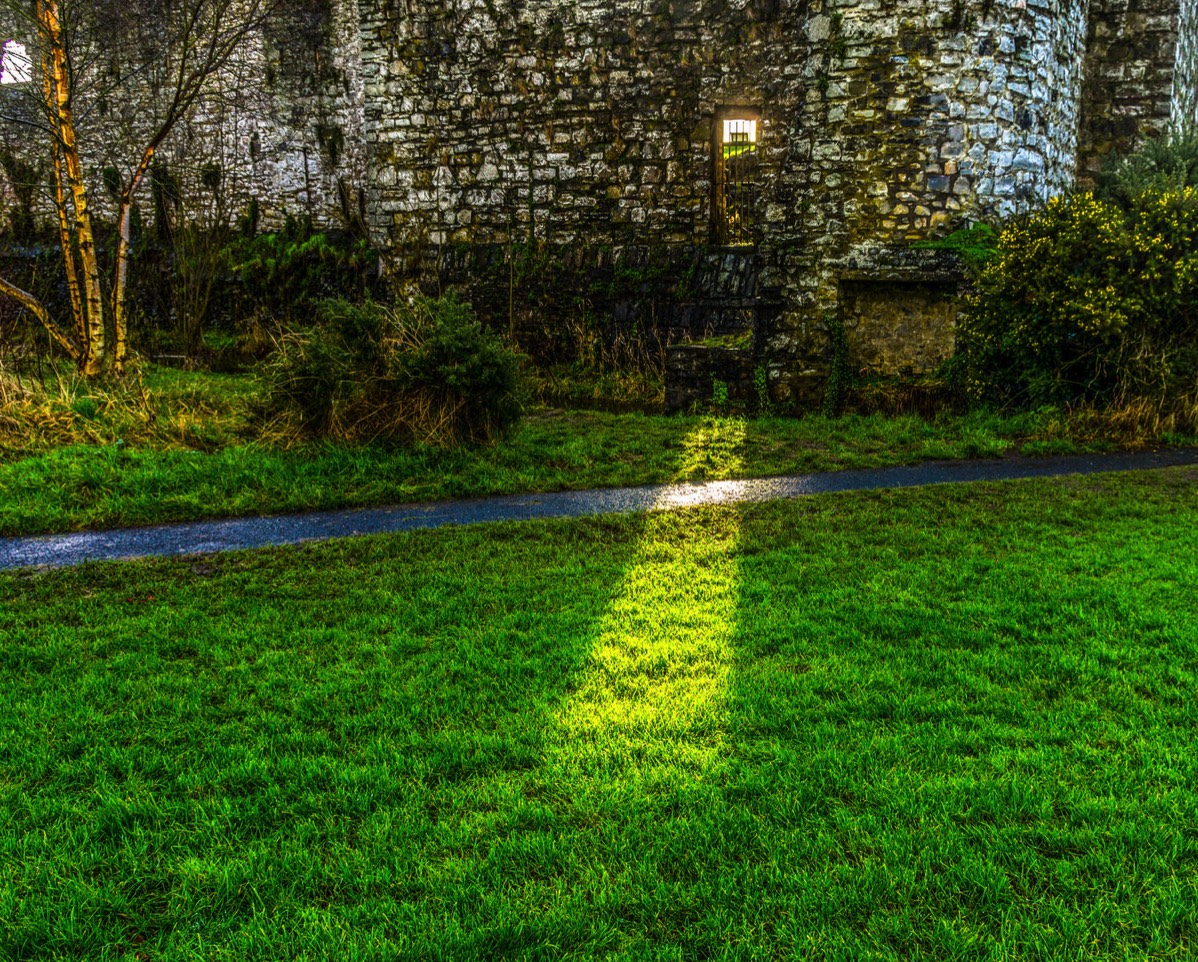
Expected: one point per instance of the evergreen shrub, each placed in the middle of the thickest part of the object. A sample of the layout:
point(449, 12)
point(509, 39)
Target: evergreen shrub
point(285, 274)
point(1161, 164)
point(424, 370)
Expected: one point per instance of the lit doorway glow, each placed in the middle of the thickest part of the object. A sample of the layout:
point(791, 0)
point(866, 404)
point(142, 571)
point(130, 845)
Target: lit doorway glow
point(736, 180)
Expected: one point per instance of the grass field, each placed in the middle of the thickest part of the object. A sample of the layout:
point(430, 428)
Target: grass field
point(197, 457)
point(939, 724)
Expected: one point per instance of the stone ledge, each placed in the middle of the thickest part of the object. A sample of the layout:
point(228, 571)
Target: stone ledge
point(693, 369)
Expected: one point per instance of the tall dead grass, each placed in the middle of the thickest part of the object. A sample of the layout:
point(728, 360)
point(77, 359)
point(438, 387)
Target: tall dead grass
point(62, 408)
point(417, 415)
point(622, 369)
point(1134, 422)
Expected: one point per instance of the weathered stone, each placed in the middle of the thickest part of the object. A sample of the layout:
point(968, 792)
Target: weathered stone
point(589, 127)
point(696, 372)
point(898, 327)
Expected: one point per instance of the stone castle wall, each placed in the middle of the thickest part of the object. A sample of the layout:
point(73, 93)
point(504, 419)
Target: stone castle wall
point(935, 115)
point(568, 122)
point(593, 121)
point(1130, 72)
point(588, 127)
point(1185, 77)
point(307, 145)
point(591, 124)
point(284, 121)
point(292, 135)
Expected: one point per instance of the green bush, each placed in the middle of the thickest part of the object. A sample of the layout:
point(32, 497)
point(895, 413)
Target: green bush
point(1086, 301)
point(285, 274)
point(1168, 163)
point(976, 245)
point(455, 355)
point(312, 374)
point(424, 370)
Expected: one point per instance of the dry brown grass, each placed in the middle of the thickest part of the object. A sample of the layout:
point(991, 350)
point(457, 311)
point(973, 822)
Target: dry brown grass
point(620, 372)
point(415, 415)
point(925, 396)
point(62, 408)
point(1131, 423)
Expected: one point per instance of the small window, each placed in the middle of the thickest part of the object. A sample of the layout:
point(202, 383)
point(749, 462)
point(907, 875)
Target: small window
point(15, 65)
point(736, 177)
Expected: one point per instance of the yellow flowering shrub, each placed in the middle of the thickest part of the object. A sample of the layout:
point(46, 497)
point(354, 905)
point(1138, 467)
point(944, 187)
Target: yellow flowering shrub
point(1085, 300)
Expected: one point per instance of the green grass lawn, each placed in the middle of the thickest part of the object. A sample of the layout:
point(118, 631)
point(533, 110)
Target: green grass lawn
point(952, 723)
point(204, 463)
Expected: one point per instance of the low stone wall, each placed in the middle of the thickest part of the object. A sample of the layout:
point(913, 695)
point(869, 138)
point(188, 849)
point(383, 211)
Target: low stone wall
point(897, 327)
point(693, 369)
point(546, 293)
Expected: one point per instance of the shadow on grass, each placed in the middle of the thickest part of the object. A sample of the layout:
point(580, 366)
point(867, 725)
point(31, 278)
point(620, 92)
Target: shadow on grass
point(935, 742)
point(255, 750)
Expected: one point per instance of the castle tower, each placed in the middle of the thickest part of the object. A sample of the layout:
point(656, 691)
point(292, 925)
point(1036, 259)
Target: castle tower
point(1140, 75)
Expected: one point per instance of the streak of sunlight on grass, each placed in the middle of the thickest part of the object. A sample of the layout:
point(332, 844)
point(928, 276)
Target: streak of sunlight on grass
point(715, 449)
point(652, 698)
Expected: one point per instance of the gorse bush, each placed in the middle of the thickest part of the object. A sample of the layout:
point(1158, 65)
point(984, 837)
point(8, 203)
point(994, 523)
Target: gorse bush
point(424, 370)
point(1087, 302)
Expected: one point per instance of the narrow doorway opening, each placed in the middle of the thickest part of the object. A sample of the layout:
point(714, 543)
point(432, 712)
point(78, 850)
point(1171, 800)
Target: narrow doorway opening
point(736, 168)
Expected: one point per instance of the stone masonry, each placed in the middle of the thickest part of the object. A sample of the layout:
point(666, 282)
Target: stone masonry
point(594, 124)
point(594, 128)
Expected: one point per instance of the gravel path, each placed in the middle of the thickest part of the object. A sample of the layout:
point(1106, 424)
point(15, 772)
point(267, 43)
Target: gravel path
point(206, 537)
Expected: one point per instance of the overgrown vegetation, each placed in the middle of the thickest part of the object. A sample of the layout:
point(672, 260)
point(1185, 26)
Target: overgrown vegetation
point(975, 245)
point(421, 370)
point(283, 275)
point(593, 321)
point(1086, 302)
point(1162, 165)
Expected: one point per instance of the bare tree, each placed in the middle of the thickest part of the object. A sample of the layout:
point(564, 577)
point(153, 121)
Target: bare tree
point(118, 77)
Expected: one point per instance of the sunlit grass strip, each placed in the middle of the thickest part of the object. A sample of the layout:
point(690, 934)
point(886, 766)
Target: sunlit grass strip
point(650, 703)
point(714, 448)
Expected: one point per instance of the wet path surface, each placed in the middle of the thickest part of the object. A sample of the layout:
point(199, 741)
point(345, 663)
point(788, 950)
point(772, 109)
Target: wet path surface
point(206, 537)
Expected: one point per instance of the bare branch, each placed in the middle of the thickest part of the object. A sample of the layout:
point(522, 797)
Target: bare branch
point(38, 310)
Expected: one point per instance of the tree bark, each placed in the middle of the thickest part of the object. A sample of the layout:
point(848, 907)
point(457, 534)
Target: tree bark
point(38, 310)
point(68, 246)
point(61, 210)
point(92, 360)
point(120, 291)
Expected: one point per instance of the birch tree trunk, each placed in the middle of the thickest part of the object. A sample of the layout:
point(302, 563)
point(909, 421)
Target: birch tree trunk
point(85, 239)
point(65, 238)
point(170, 53)
point(63, 213)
